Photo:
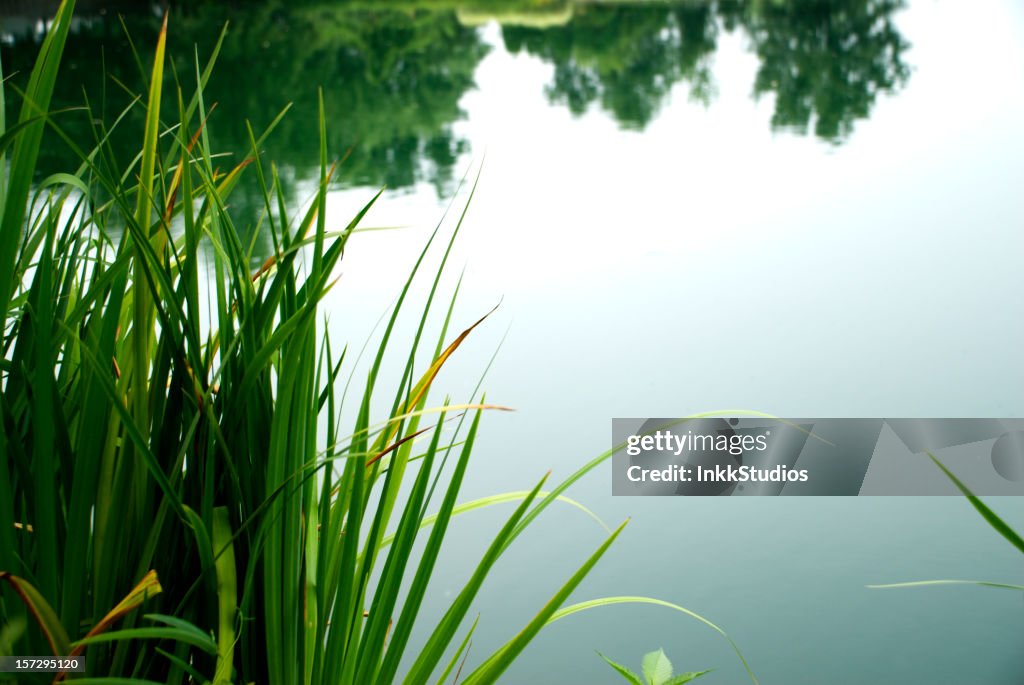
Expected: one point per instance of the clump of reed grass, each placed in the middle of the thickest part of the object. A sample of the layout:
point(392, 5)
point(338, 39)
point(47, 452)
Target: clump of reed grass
point(179, 500)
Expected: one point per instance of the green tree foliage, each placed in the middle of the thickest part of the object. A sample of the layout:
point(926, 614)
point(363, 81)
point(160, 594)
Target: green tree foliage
point(626, 58)
point(392, 82)
point(825, 61)
point(394, 76)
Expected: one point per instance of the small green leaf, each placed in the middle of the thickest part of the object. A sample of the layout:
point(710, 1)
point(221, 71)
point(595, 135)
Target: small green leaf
point(623, 671)
point(656, 667)
point(683, 678)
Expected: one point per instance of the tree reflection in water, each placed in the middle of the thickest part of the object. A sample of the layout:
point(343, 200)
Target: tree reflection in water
point(393, 77)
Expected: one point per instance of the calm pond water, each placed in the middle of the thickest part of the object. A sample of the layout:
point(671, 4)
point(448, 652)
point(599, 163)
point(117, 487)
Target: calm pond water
point(807, 208)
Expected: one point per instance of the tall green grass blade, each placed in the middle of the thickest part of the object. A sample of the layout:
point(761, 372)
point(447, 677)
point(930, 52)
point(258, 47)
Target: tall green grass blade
point(425, 568)
point(184, 667)
point(3, 134)
point(929, 583)
point(142, 300)
point(26, 148)
point(390, 582)
point(147, 588)
point(227, 596)
point(42, 612)
point(990, 516)
point(494, 500)
point(438, 642)
point(176, 634)
point(181, 624)
point(498, 663)
point(45, 518)
point(462, 649)
point(116, 681)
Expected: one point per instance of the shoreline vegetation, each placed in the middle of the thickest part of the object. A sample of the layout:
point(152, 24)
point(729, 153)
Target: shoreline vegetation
point(178, 499)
